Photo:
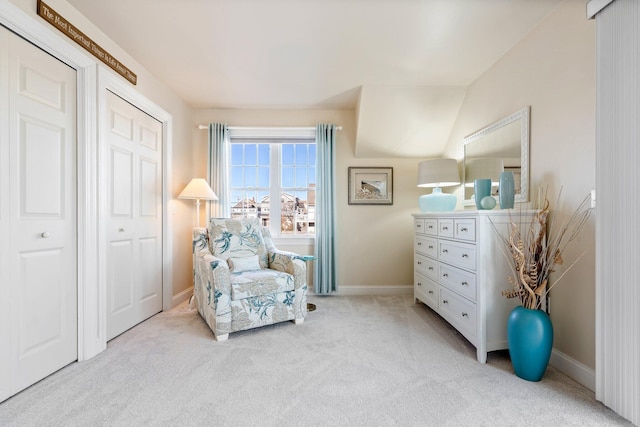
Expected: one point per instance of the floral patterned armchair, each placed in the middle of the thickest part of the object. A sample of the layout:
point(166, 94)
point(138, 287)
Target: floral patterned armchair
point(241, 281)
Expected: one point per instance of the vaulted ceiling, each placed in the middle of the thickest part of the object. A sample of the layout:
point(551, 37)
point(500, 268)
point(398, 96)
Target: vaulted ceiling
point(403, 65)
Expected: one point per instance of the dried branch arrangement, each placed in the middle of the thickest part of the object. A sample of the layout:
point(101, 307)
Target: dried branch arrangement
point(535, 250)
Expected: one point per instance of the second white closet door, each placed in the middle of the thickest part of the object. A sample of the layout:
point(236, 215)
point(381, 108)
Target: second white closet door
point(134, 252)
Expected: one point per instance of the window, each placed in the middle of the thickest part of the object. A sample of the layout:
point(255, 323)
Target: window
point(267, 169)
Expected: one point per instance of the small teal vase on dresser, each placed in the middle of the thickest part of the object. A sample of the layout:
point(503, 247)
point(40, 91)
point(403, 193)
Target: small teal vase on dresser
point(482, 188)
point(530, 338)
point(507, 190)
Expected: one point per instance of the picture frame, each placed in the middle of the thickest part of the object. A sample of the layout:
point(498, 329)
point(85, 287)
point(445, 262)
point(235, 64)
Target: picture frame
point(370, 186)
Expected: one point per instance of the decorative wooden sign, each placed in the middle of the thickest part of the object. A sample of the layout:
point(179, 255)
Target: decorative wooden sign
point(54, 18)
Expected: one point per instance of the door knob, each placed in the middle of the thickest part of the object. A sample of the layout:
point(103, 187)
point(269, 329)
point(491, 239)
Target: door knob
point(45, 235)
point(121, 229)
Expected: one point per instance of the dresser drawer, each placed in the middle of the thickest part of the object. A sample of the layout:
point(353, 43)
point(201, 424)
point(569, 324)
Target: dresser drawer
point(445, 228)
point(458, 254)
point(426, 266)
point(426, 291)
point(431, 226)
point(418, 225)
point(465, 229)
point(426, 245)
point(458, 280)
point(458, 311)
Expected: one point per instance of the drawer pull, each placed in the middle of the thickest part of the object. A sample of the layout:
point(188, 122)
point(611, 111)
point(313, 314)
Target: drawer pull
point(445, 228)
point(465, 256)
point(418, 225)
point(431, 292)
point(445, 251)
point(463, 230)
point(430, 246)
point(419, 284)
point(445, 275)
point(430, 268)
point(464, 314)
point(430, 227)
point(419, 243)
point(464, 284)
point(444, 301)
point(419, 262)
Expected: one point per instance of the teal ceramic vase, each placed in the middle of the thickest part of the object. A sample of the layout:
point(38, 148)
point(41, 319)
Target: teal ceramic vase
point(507, 191)
point(488, 202)
point(482, 189)
point(530, 337)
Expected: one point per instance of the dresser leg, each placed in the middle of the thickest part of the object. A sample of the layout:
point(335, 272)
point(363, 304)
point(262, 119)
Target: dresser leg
point(481, 356)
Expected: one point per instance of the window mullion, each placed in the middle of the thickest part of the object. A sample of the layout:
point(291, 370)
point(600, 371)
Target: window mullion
point(275, 192)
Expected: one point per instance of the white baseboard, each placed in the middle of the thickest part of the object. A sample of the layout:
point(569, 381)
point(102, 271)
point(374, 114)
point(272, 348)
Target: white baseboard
point(375, 290)
point(574, 369)
point(176, 300)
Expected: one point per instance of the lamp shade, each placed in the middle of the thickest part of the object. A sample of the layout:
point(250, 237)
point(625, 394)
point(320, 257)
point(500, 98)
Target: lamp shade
point(438, 173)
point(489, 168)
point(198, 189)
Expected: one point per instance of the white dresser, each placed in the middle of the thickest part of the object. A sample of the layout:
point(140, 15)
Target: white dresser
point(460, 271)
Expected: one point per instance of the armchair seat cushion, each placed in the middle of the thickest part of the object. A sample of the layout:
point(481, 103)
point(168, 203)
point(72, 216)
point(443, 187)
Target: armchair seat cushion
point(259, 282)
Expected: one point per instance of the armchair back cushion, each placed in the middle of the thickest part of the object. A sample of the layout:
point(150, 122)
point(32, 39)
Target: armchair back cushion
point(237, 238)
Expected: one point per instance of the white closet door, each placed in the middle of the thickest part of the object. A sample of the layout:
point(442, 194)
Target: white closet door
point(134, 253)
point(41, 251)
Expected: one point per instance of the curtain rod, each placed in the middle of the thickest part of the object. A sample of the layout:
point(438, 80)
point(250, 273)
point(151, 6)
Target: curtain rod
point(204, 127)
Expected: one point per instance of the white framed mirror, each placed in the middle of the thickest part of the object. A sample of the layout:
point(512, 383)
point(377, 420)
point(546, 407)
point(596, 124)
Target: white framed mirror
point(503, 145)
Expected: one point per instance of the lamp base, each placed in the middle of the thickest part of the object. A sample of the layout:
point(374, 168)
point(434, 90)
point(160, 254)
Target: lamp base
point(437, 201)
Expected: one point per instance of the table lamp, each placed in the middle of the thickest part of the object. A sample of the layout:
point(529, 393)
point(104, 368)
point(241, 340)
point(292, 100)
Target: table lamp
point(438, 173)
point(198, 189)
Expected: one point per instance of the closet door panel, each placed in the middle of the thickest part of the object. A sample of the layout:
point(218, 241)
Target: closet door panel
point(120, 272)
point(121, 184)
point(42, 168)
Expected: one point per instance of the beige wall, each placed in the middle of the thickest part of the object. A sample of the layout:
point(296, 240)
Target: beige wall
point(374, 242)
point(553, 71)
point(181, 154)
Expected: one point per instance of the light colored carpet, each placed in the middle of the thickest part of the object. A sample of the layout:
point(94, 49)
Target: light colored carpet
point(355, 361)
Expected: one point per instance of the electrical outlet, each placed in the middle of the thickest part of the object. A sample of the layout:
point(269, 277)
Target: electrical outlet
point(593, 198)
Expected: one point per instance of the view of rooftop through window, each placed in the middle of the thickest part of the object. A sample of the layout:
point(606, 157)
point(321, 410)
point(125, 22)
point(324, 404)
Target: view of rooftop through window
point(261, 172)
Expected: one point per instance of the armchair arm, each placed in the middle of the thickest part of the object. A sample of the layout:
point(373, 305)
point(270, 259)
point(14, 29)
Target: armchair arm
point(291, 263)
point(212, 286)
